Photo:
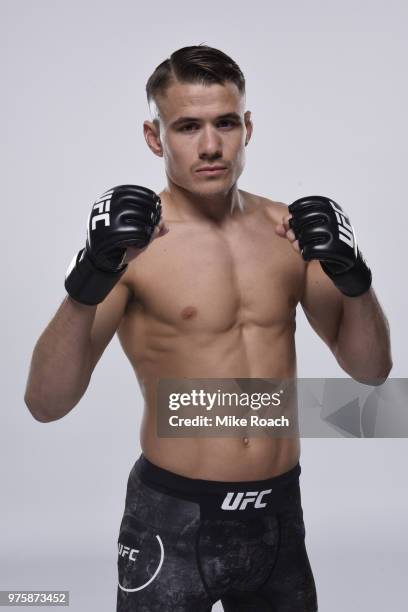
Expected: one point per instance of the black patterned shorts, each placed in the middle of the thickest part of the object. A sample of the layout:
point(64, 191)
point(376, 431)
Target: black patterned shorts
point(186, 543)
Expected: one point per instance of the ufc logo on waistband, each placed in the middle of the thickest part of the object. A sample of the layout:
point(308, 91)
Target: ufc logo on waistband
point(239, 501)
point(346, 232)
point(125, 551)
point(102, 206)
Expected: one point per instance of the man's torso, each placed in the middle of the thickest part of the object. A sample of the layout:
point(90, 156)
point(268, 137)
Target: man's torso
point(213, 300)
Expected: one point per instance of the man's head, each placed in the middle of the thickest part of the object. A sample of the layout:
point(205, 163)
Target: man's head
point(197, 102)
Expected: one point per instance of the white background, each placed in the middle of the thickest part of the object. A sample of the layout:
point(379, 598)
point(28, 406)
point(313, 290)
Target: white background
point(327, 87)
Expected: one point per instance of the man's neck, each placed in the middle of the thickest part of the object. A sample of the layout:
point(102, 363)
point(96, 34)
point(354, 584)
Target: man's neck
point(185, 205)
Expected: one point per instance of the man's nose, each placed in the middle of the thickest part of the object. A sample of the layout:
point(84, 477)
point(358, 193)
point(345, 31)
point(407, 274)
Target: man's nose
point(210, 144)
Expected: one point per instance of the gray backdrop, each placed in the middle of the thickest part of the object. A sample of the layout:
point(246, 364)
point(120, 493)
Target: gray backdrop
point(327, 88)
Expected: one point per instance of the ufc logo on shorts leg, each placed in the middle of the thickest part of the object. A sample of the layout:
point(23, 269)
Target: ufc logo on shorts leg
point(346, 232)
point(102, 206)
point(126, 551)
point(239, 501)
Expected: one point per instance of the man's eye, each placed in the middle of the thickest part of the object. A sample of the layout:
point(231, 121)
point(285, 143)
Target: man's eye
point(225, 123)
point(188, 127)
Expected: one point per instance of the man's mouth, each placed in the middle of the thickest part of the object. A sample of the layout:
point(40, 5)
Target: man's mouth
point(211, 170)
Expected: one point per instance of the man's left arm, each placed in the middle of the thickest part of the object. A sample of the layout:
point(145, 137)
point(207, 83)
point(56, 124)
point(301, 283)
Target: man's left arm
point(338, 299)
point(355, 328)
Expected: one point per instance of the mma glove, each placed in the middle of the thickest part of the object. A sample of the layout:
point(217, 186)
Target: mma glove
point(123, 216)
point(325, 233)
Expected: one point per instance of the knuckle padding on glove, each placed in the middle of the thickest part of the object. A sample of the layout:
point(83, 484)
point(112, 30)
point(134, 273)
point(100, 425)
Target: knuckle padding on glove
point(123, 216)
point(324, 232)
point(132, 221)
point(313, 225)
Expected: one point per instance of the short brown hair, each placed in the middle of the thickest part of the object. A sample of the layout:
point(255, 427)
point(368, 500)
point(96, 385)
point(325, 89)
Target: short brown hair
point(195, 64)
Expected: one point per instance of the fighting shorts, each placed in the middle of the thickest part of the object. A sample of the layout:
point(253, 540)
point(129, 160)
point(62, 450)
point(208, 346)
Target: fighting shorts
point(186, 543)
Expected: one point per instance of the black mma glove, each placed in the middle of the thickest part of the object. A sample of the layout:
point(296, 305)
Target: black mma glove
point(123, 216)
point(325, 233)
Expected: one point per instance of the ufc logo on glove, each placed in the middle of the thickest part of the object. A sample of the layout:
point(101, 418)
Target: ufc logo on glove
point(102, 205)
point(346, 232)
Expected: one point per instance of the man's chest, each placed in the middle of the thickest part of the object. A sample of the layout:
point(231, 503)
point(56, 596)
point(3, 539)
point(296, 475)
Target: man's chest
point(214, 280)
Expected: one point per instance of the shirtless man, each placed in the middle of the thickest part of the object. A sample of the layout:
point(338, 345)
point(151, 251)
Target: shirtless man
point(205, 285)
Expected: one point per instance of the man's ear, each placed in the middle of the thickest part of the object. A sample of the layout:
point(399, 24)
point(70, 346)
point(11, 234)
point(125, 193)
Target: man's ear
point(151, 131)
point(249, 126)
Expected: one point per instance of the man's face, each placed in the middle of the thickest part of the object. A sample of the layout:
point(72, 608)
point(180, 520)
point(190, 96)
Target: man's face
point(201, 126)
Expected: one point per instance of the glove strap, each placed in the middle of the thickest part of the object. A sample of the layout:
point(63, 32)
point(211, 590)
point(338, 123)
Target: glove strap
point(86, 283)
point(352, 282)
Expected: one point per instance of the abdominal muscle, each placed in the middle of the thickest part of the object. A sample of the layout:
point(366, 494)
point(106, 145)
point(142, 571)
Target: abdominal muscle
point(242, 352)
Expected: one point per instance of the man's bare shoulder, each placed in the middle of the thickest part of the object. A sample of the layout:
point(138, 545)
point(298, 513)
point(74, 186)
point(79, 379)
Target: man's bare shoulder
point(274, 209)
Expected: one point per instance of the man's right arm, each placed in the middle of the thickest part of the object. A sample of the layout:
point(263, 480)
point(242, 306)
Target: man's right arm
point(67, 352)
point(122, 223)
